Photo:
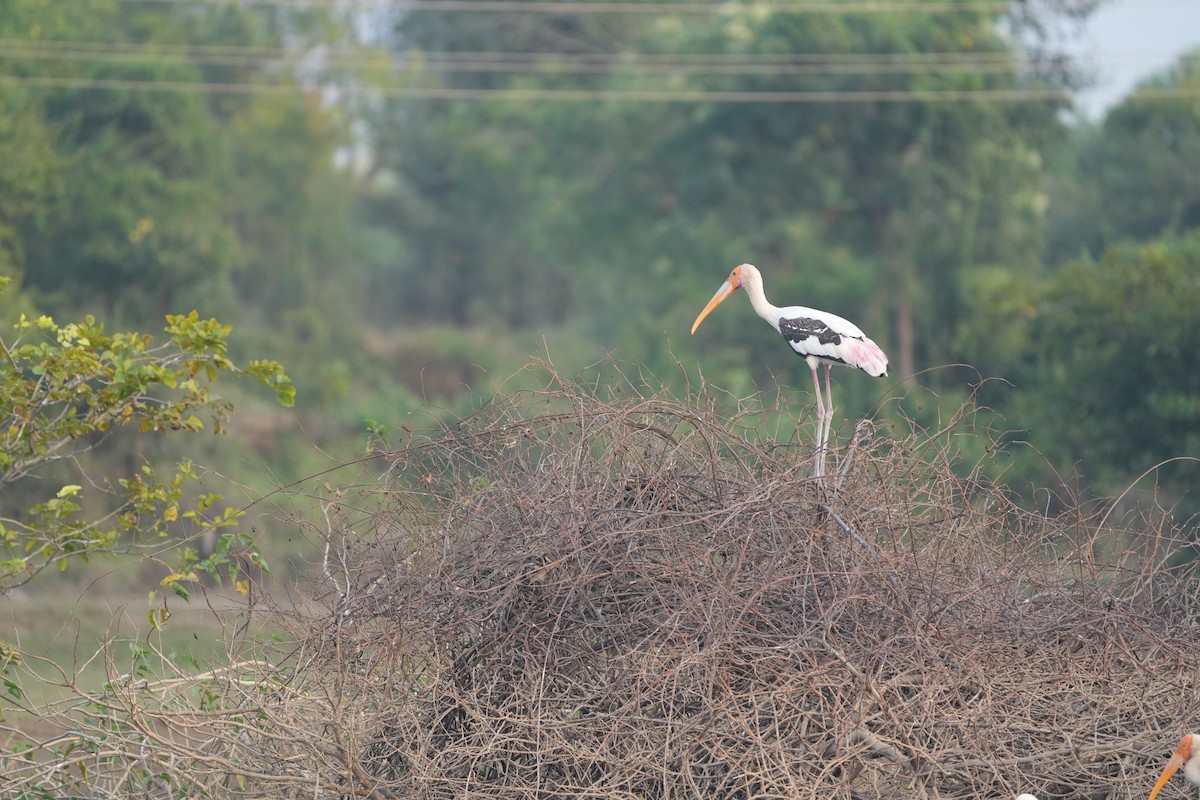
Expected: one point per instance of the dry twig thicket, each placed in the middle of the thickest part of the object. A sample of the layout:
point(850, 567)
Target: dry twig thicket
point(589, 593)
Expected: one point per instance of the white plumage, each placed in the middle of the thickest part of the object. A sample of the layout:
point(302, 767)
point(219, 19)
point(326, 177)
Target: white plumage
point(1186, 755)
point(816, 336)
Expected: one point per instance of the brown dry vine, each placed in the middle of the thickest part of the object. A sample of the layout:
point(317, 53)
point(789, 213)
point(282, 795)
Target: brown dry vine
point(584, 592)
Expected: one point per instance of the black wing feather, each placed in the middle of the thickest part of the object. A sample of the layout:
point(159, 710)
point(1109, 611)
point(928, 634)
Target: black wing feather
point(801, 328)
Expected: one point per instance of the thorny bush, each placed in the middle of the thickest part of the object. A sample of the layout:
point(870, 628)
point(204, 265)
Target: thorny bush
point(589, 592)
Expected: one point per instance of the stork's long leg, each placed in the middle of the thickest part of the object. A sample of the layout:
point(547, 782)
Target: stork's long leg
point(822, 430)
point(828, 408)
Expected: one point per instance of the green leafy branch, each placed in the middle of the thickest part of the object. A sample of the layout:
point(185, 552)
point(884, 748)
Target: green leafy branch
point(64, 387)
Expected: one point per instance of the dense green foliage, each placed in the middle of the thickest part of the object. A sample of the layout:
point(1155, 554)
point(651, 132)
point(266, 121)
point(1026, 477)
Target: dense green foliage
point(1135, 176)
point(63, 389)
point(399, 207)
point(394, 251)
point(1108, 386)
point(533, 213)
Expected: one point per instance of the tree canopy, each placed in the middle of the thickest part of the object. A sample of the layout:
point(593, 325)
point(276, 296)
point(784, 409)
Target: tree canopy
point(64, 389)
point(402, 203)
point(271, 165)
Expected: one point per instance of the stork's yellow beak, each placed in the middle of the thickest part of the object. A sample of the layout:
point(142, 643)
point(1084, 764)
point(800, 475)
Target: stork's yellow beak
point(727, 288)
point(1182, 753)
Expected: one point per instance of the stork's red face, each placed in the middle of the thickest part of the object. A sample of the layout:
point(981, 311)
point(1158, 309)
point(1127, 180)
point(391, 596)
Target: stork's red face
point(1181, 756)
point(727, 288)
point(735, 276)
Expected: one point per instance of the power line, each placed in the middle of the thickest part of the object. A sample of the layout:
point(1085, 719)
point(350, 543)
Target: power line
point(170, 52)
point(574, 7)
point(131, 50)
point(447, 93)
point(591, 95)
point(521, 63)
point(157, 48)
point(809, 64)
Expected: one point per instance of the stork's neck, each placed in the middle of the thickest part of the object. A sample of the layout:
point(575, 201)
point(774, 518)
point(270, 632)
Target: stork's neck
point(1191, 769)
point(752, 283)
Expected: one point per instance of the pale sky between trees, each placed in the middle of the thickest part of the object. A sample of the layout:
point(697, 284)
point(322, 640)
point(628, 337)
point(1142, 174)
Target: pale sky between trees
point(1128, 40)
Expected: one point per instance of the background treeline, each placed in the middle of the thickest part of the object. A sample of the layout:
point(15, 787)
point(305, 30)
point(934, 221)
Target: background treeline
point(401, 207)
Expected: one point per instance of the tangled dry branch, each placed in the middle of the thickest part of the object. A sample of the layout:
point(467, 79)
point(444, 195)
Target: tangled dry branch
point(571, 595)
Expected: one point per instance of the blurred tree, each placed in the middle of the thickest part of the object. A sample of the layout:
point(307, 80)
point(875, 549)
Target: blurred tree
point(303, 254)
point(1136, 175)
point(123, 199)
point(539, 213)
point(923, 191)
point(137, 221)
point(488, 192)
point(1108, 382)
point(63, 389)
point(140, 223)
point(30, 168)
point(29, 175)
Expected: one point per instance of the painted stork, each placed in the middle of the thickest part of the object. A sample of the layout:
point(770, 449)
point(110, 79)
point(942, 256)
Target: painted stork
point(1186, 755)
point(816, 336)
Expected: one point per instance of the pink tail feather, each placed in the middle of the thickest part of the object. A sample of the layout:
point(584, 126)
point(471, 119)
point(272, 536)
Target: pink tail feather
point(867, 356)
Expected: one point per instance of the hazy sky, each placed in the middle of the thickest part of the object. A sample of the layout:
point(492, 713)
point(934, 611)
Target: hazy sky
point(1126, 40)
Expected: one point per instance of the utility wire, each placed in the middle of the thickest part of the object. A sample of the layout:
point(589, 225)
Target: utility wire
point(813, 64)
point(517, 64)
point(573, 7)
point(156, 48)
point(578, 95)
point(205, 53)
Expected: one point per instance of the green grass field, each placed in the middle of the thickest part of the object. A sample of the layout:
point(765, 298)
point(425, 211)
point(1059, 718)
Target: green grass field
point(75, 637)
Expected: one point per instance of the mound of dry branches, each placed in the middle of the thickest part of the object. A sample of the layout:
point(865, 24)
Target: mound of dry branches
point(571, 595)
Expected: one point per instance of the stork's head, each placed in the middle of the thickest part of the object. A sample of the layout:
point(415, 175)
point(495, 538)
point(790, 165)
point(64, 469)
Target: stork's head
point(734, 282)
point(1186, 753)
